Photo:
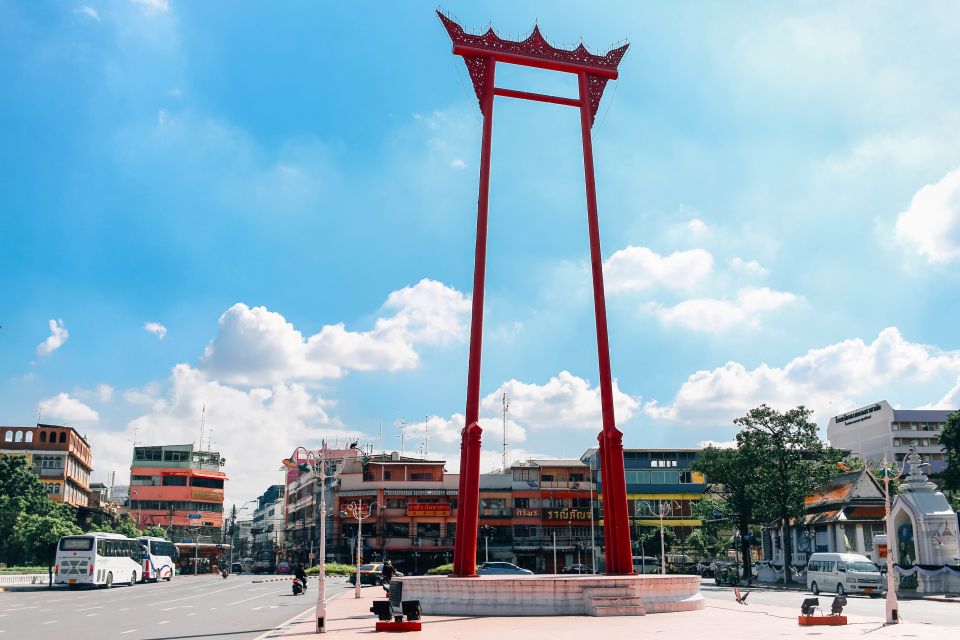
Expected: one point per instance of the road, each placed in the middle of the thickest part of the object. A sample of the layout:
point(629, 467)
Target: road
point(206, 607)
point(916, 611)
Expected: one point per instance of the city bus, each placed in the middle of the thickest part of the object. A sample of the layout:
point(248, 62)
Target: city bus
point(97, 559)
point(159, 559)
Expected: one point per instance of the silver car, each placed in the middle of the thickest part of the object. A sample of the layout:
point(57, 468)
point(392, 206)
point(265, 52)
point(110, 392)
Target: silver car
point(502, 569)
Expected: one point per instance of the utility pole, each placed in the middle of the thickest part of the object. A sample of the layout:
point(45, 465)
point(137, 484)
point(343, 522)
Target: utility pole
point(203, 415)
point(506, 407)
point(426, 435)
point(402, 427)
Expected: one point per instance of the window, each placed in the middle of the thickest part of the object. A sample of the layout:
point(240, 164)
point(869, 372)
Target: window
point(386, 474)
point(546, 477)
point(19, 437)
point(53, 436)
point(149, 481)
point(428, 529)
point(29, 436)
point(174, 481)
point(396, 503)
point(176, 456)
point(421, 476)
point(162, 549)
point(207, 483)
point(524, 531)
point(8, 436)
point(397, 530)
point(523, 503)
point(151, 454)
point(686, 477)
point(63, 437)
point(524, 475)
point(368, 476)
point(576, 477)
point(76, 544)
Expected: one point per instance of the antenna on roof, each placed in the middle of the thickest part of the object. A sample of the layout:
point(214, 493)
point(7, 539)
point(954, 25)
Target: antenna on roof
point(381, 434)
point(506, 408)
point(403, 433)
point(203, 414)
point(426, 435)
point(39, 413)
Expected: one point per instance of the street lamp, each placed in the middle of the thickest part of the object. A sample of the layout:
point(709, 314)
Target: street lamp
point(361, 512)
point(892, 605)
point(318, 463)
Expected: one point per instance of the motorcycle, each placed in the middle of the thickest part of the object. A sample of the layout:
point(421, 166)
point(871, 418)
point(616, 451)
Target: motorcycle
point(298, 586)
point(224, 573)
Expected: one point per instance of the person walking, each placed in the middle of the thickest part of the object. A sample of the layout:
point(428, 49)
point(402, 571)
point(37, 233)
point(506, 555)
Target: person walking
point(386, 575)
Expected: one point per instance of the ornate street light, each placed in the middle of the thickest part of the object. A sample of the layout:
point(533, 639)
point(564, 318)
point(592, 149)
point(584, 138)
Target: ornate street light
point(319, 464)
point(361, 512)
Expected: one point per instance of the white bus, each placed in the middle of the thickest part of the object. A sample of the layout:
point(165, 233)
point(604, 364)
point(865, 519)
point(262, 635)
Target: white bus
point(159, 559)
point(97, 559)
point(646, 564)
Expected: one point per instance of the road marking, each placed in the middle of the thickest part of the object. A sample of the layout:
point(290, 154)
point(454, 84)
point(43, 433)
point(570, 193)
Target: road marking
point(126, 632)
point(49, 622)
point(87, 609)
point(163, 622)
point(191, 614)
point(153, 604)
point(268, 593)
point(18, 609)
point(179, 606)
point(90, 615)
point(267, 634)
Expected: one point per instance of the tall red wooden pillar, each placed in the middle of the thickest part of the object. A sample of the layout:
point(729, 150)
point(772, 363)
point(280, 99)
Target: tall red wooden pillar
point(468, 501)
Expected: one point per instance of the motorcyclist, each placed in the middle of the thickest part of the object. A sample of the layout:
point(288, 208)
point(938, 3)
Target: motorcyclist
point(386, 575)
point(301, 575)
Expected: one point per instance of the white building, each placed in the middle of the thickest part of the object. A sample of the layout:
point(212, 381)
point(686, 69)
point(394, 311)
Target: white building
point(268, 521)
point(878, 429)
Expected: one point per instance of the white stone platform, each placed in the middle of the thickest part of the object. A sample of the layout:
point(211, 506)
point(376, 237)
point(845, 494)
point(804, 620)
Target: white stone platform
point(553, 595)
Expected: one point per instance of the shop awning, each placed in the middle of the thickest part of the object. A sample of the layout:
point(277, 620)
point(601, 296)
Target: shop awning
point(216, 475)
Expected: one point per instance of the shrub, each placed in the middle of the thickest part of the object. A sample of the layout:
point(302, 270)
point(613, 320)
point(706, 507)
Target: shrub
point(442, 570)
point(333, 569)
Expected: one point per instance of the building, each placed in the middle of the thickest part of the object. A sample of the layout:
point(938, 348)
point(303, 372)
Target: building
point(552, 512)
point(414, 516)
point(59, 455)
point(844, 517)
point(268, 522)
point(879, 430)
point(659, 483)
point(178, 488)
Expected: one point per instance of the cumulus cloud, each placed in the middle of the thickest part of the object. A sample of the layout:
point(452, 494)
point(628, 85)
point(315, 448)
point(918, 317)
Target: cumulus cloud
point(713, 315)
point(58, 336)
point(747, 267)
point(104, 392)
point(696, 225)
point(726, 444)
point(949, 401)
point(841, 374)
point(87, 11)
point(157, 329)
point(639, 268)
point(564, 401)
point(65, 408)
point(932, 221)
point(256, 346)
point(458, 164)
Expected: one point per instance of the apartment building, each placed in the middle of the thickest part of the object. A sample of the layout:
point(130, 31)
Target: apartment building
point(60, 456)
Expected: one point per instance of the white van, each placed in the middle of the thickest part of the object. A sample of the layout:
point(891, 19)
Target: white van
point(843, 573)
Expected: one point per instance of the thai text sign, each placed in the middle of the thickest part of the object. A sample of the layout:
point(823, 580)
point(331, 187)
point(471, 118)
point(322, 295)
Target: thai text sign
point(206, 495)
point(427, 509)
point(526, 513)
point(566, 514)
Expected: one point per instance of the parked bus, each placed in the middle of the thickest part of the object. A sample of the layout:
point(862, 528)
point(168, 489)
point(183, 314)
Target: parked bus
point(97, 559)
point(159, 559)
point(646, 564)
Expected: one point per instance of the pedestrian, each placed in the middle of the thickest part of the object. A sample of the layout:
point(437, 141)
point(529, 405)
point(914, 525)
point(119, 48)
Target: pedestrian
point(386, 575)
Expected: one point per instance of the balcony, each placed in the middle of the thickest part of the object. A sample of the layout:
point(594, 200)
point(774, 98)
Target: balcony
point(49, 473)
point(496, 513)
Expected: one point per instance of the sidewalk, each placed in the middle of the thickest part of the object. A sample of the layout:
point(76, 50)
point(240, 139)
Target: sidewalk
point(707, 583)
point(348, 617)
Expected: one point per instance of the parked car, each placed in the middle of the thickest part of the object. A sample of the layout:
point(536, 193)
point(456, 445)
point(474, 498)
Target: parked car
point(283, 567)
point(576, 568)
point(369, 574)
point(843, 573)
point(502, 568)
point(236, 567)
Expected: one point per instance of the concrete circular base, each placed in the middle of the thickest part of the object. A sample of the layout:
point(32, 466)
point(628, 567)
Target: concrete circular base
point(553, 595)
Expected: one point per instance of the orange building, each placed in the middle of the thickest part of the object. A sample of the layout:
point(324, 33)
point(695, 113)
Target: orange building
point(60, 457)
point(180, 489)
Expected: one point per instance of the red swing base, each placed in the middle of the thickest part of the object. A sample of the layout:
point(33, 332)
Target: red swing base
point(831, 621)
point(398, 626)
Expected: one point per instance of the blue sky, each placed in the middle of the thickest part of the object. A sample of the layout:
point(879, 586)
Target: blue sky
point(268, 209)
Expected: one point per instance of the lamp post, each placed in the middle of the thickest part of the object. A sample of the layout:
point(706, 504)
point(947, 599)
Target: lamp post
point(318, 464)
point(486, 531)
point(361, 512)
point(892, 605)
point(664, 508)
point(233, 527)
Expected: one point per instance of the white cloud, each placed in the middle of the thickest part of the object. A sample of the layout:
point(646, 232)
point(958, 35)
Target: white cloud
point(844, 374)
point(104, 392)
point(564, 401)
point(458, 164)
point(726, 444)
point(696, 225)
point(712, 315)
point(156, 328)
point(747, 267)
point(949, 401)
point(932, 221)
point(637, 268)
point(58, 336)
point(66, 408)
point(151, 6)
point(87, 11)
point(255, 345)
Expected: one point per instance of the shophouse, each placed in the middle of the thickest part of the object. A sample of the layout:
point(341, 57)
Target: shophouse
point(879, 430)
point(661, 486)
point(60, 456)
point(268, 523)
point(178, 488)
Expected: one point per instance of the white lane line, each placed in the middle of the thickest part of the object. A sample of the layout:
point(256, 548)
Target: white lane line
point(87, 609)
point(19, 609)
point(191, 614)
point(90, 615)
point(126, 632)
point(268, 593)
point(50, 622)
point(153, 604)
point(179, 606)
point(125, 609)
point(163, 622)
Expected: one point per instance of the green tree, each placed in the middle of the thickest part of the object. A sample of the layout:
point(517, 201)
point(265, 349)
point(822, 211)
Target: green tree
point(731, 474)
point(950, 441)
point(789, 462)
point(39, 535)
point(18, 480)
point(156, 531)
point(127, 527)
point(11, 551)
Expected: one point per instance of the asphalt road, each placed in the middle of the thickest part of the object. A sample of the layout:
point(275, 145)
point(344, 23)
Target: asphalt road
point(915, 611)
point(205, 607)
